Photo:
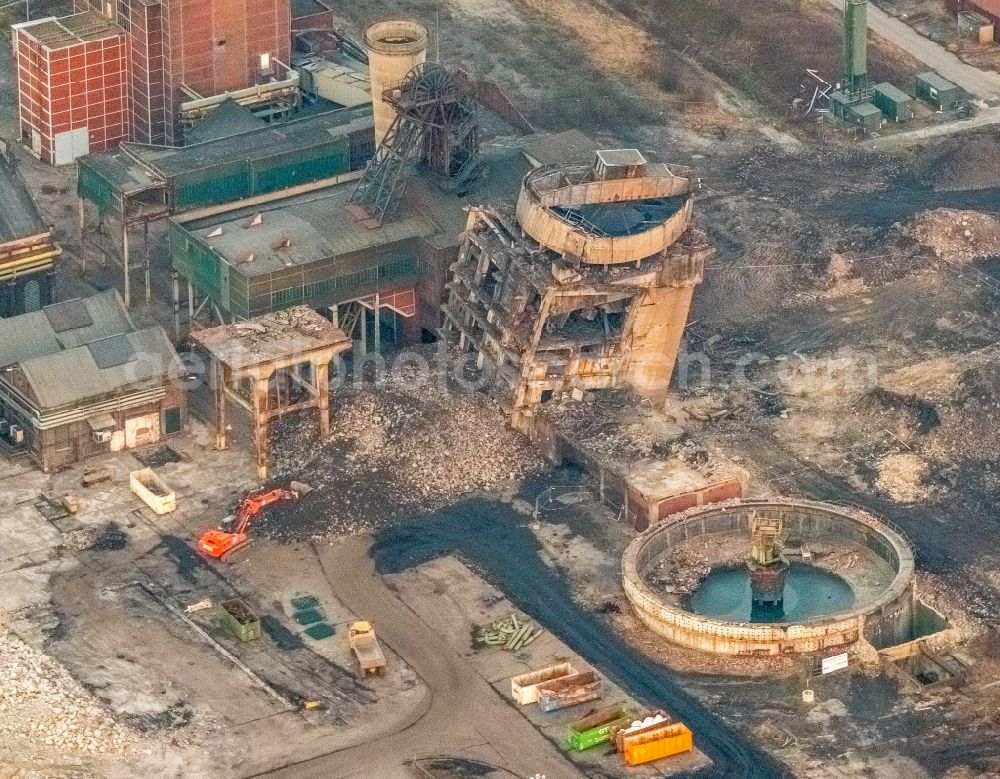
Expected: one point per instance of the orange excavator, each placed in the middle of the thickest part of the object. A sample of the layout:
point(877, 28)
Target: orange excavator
point(234, 535)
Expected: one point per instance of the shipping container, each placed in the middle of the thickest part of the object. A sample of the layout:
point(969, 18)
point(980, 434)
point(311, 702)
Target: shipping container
point(569, 691)
point(664, 741)
point(524, 688)
point(236, 617)
point(939, 92)
point(864, 115)
point(893, 102)
point(647, 723)
point(600, 727)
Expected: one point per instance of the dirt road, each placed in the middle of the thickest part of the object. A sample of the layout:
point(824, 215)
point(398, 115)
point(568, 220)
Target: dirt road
point(465, 714)
point(980, 83)
point(984, 118)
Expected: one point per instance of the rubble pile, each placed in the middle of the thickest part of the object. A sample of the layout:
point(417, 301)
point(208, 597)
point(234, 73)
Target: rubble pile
point(442, 448)
point(681, 573)
point(970, 161)
point(902, 477)
point(955, 236)
point(43, 707)
point(409, 444)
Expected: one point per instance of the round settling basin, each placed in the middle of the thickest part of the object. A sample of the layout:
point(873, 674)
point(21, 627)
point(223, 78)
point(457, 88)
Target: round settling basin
point(821, 610)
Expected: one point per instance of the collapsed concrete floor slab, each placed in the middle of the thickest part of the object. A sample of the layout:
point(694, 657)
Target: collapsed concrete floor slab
point(586, 285)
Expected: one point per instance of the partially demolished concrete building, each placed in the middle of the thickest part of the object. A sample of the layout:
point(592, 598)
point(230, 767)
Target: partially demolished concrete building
point(586, 286)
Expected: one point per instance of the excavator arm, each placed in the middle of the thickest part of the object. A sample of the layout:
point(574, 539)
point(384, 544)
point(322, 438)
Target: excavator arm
point(252, 506)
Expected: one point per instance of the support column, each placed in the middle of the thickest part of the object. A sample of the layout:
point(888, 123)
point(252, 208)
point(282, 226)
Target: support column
point(177, 304)
point(221, 432)
point(190, 305)
point(83, 217)
point(145, 241)
point(363, 323)
point(321, 377)
point(259, 393)
point(126, 265)
point(378, 326)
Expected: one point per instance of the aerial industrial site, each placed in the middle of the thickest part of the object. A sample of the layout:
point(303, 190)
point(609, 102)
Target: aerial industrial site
point(524, 389)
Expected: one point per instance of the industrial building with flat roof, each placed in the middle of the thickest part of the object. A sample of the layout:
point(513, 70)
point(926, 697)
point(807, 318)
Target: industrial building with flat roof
point(228, 168)
point(138, 184)
point(181, 50)
point(71, 90)
point(312, 249)
point(79, 379)
point(28, 252)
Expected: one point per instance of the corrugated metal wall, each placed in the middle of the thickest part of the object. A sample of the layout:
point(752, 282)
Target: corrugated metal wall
point(241, 179)
point(319, 284)
point(98, 190)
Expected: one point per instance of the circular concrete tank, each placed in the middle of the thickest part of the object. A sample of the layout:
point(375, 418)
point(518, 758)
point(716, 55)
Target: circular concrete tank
point(395, 47)
point(552, 198)
point(883, 614)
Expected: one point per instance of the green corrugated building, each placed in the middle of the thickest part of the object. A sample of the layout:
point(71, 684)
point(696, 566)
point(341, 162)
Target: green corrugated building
point(143, 182)
point(893, 102)
point(865, 115)
point(939, 92)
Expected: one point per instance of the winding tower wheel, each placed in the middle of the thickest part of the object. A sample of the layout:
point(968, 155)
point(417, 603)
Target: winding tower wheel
point(436, 128)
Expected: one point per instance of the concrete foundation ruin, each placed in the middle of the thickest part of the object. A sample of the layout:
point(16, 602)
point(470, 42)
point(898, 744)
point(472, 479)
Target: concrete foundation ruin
point(585, 286)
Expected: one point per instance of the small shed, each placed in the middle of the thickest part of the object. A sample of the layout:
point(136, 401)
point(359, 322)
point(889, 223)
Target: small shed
point(865, 115)
point(893, 102)
point(990, 9)
point(976, 26)
point(939, 92)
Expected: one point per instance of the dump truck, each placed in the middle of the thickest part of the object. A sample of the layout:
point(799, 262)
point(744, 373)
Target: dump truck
point(600, 726)
point(366, 648)
point(569, 691)
point(524, 688)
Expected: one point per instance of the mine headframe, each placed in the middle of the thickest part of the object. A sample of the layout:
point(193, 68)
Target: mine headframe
point(436, 130)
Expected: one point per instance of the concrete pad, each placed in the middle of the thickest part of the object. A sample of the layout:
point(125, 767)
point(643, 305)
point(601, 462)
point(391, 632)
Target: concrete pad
point(25, 532)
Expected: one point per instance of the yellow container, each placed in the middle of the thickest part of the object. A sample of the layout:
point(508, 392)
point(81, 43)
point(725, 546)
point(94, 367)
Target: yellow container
point(657, 743)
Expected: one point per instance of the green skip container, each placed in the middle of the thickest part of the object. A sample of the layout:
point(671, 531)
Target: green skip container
point(236, 617)
point(600, 726)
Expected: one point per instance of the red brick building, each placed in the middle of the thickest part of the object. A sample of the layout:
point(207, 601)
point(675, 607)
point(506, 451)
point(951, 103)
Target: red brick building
point(71, 85)
point(179, 48)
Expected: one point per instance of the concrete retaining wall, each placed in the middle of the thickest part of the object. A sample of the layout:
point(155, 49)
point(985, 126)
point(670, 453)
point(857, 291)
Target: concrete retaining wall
point(884, 620)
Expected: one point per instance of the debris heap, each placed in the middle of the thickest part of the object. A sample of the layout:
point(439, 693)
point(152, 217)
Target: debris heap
point(43, 709)
point(411, 444)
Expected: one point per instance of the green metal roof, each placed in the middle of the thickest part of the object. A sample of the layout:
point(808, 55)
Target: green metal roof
point(269, 141)
point(298, 231)
point(229, 119)
point(934, 80)
point(895, 94)
point(864, 109)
